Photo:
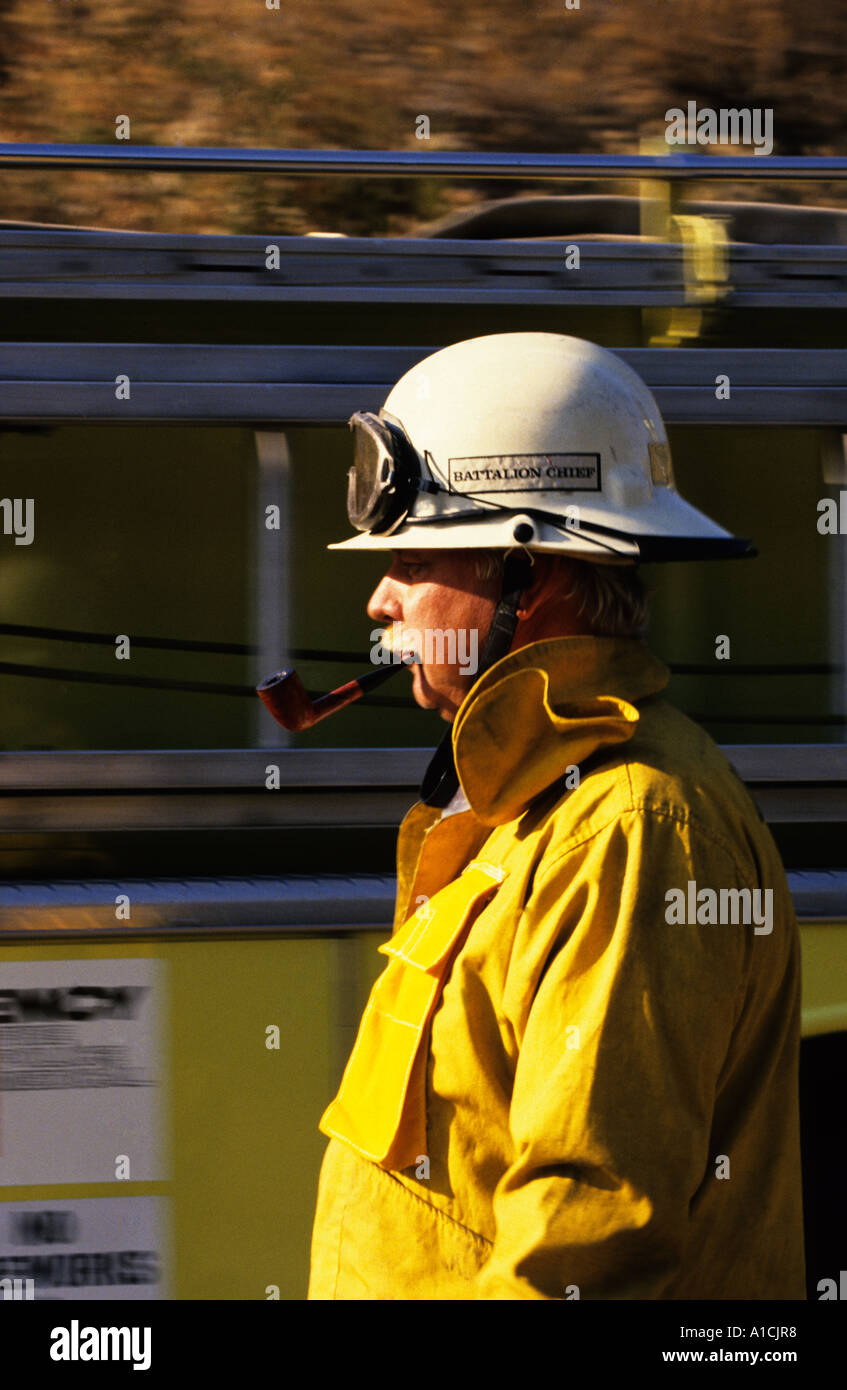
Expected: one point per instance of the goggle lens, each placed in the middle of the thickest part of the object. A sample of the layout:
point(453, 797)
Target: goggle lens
point(367, 478)
point(372, 480)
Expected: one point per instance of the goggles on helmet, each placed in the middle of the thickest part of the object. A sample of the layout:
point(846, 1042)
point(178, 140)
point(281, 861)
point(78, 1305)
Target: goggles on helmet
point(385, 477)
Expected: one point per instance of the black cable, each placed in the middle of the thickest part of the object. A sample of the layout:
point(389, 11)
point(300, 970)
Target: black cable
point(60, 634)
point(107, 639)
point(58, 673)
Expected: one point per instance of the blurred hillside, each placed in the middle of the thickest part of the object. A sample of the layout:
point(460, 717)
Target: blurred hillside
point(489, 74)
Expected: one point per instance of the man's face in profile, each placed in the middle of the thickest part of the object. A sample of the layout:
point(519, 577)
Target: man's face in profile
point(438, 592)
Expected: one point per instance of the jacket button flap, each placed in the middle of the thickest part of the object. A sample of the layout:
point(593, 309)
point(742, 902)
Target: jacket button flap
point(370, 1112)
point(428, 937)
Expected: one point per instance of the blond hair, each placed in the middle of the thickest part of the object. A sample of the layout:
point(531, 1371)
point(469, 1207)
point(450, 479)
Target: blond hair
point(612, 598)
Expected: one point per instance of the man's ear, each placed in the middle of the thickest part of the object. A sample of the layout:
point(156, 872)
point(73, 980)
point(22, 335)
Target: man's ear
point(545, 580)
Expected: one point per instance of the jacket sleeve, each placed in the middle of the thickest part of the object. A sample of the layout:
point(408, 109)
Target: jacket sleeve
point(622, 1023)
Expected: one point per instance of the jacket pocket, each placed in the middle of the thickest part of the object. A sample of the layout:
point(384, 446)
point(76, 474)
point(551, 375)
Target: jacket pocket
point(373, 1111)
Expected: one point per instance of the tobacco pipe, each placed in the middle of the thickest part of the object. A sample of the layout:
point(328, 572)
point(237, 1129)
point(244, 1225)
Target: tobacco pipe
point(291, 705)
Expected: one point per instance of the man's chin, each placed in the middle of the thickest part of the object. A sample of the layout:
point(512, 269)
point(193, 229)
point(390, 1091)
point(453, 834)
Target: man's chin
point(426, 698)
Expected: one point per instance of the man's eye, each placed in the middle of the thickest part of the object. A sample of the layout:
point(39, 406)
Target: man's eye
point(414, 568)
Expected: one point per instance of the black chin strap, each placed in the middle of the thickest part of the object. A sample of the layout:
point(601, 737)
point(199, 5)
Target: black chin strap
point(441, 781)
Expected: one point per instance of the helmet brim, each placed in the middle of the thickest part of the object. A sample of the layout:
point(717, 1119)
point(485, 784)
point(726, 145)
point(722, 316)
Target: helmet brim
point(669, 530)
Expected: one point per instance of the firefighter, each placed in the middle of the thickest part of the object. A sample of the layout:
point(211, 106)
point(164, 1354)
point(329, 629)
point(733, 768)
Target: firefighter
point(577, 1076)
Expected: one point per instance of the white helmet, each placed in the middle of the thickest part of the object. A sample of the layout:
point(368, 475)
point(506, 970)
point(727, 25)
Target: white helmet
point(524, 439)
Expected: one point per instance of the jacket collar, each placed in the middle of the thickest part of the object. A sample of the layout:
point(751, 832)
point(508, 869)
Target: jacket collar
point(543, 709)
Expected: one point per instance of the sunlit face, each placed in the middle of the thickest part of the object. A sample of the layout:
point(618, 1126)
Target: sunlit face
point(438, 592)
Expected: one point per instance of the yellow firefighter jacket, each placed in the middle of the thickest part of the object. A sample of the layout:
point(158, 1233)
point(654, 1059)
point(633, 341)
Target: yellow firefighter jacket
point(577, 1076)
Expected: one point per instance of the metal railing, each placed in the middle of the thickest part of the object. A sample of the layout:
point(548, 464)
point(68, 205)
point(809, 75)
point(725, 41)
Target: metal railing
point(296, 904)
point(324, 384)
point(489, 164)
point(205, 788)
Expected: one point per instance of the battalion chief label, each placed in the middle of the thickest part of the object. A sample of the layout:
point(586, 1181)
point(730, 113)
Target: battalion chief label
point(519, 472)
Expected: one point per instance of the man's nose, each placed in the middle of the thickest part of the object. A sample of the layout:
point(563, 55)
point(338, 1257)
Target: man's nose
point(384, 604)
